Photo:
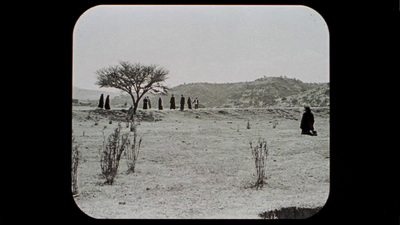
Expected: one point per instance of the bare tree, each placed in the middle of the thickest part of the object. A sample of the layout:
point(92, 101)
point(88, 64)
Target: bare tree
point(134, 79)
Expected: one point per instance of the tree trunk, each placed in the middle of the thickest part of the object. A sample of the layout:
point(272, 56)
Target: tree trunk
point(135, 104)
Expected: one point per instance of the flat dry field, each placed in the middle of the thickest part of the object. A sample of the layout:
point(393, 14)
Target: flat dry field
point(198, 164)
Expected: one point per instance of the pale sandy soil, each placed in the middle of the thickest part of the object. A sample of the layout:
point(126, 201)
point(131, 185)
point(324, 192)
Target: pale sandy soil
point(202, 167)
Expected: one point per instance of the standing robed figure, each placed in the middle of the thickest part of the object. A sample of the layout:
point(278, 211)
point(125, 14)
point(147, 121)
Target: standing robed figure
point(196, 103)
point(189, 102)
point(172, 102)
point(145, 103)
point(160, 107)
point(182, 102)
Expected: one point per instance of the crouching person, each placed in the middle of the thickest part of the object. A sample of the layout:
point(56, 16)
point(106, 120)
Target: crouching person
point(307, 122)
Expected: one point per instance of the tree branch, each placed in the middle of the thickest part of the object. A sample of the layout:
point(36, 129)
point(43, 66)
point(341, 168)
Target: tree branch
point(130, 77)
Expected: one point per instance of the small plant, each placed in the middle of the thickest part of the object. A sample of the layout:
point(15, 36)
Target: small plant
point(113, 148)
point(274, 124)
point(74, 167)
point(132, 153)
point(260, 154)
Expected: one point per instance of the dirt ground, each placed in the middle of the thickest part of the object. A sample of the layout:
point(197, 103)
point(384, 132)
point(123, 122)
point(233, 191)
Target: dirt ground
point(198, 164)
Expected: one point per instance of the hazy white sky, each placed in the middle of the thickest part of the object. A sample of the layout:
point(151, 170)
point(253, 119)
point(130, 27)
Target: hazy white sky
point(203, 43)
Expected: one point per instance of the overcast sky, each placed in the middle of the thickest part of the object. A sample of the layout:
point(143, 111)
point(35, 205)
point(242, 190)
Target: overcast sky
point(214, 44)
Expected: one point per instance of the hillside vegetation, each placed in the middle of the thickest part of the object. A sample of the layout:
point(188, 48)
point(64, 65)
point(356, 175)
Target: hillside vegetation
point(263, 92)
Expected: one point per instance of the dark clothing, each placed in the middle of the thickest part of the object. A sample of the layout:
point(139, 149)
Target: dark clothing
point(196, 103)
point(107, 105)
point(160, 104)
point(145, 103)
point(307, 123)
point(182, 103)
point(189, 103)
point(172, 102)
point(101, 101)
point(148, 102)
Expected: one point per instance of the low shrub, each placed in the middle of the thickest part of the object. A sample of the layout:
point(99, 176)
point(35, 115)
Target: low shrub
point(111, 154)
point(132, 152)
point(260, 154)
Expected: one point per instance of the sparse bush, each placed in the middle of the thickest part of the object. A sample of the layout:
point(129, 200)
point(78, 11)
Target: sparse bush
point(132, 152)
point(111, 154)
point(74, 167)
point(260, 154)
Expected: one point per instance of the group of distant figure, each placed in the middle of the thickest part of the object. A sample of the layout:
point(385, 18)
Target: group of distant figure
point(306, 125)
point(147, 103)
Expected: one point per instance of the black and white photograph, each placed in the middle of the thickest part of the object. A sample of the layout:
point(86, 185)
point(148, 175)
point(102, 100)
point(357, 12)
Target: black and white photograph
point(200, 112)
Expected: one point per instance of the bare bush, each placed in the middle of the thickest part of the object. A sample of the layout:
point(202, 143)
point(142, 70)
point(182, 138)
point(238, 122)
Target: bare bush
point(260, 154)
point(74, 167)
point(132, 152)
point(113, 148)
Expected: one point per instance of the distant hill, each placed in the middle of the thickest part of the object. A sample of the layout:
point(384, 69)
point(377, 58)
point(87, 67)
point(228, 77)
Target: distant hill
point(263, 92)
point(85, 94)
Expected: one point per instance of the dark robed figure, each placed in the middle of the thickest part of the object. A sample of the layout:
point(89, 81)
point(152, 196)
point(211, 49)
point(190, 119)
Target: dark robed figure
point(196, 103)
point(107, 105)
point(307, 122)
point(145, 103)
point(160, 103)
point(182, 102)
point(172, 102)
point(189, 102)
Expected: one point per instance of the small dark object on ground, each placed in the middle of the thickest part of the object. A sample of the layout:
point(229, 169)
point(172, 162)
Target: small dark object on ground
point(290, 213)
